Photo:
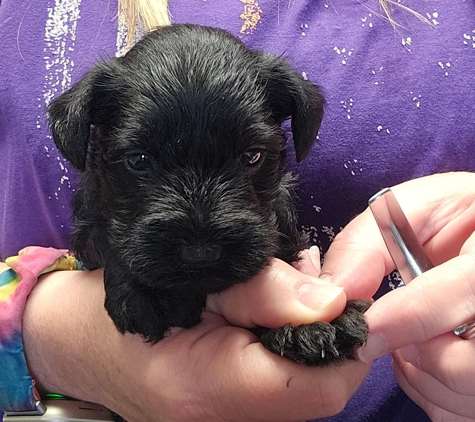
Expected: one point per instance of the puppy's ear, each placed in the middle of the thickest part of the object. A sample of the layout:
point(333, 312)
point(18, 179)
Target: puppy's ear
point(71, 115)
point(292, 96)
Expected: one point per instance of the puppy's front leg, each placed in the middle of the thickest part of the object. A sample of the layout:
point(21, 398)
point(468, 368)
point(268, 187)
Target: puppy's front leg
point(132, 311)
point(320, 343)
point(292, 240)
point(137, 309)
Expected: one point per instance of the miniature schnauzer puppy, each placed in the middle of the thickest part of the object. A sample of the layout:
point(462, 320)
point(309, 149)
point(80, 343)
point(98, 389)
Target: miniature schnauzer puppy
point(183, 190)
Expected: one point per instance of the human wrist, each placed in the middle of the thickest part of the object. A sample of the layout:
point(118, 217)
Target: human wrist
point(55, 323)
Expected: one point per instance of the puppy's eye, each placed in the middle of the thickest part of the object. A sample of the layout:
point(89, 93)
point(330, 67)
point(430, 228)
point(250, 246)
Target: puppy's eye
point(138, 163)
point(252, 157)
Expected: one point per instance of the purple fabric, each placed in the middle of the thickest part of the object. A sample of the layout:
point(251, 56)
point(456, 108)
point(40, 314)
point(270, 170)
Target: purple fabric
point(399, 106)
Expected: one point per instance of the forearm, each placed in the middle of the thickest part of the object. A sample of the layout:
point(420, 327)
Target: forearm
point(63, 317)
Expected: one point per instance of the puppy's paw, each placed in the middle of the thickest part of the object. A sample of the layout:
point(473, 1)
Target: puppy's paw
point(320, 343)
point(136, 314)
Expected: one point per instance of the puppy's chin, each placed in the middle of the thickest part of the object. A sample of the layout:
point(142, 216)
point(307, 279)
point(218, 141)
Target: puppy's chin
point(212, 280)
point(167, 273)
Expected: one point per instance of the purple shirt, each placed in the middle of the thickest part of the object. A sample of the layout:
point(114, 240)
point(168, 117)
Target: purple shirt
point(399, 106)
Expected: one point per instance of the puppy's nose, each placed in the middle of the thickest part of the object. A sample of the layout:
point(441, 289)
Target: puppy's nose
point(201, 255)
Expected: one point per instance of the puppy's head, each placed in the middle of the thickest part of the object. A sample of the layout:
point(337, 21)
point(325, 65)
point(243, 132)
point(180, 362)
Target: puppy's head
point(181, 149)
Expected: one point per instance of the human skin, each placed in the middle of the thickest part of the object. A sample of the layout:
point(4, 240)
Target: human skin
point(213, 372)
point(433, 366)
point(218, 370)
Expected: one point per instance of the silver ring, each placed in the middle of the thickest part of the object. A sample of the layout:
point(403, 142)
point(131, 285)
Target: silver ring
point(466, 331)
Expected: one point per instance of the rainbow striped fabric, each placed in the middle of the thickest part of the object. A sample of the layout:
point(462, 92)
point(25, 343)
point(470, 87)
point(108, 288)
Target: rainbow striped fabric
point(17, 388)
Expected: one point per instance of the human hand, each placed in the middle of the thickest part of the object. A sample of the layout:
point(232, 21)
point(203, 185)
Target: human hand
point(433, 366)
point(212, 372)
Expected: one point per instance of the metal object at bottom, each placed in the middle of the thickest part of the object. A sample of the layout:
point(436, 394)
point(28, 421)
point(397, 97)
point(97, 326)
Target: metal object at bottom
point(65, 410)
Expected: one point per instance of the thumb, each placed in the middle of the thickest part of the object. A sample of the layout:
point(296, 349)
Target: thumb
point(278, 295)
point(358, 258)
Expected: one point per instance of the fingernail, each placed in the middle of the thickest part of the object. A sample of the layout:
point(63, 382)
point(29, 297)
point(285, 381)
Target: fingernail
point(318, 296)
point(375, 347)
point(326, 277)
point(411, 354)
point(314, 254)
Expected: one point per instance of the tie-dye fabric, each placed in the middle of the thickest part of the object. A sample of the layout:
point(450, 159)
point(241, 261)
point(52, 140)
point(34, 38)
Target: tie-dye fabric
point(399, 106)
point(17, 388)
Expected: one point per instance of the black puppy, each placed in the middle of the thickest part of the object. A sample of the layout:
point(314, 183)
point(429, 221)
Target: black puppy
point(183, 189)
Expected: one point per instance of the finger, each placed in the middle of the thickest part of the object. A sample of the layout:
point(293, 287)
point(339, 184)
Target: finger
point(442, 219)
point(358, 259)
point(278, 295)
point(309, 262)
point(469, 245)
point(435, 413)
point(446, 358)
point(433, 304)
point(431, 395)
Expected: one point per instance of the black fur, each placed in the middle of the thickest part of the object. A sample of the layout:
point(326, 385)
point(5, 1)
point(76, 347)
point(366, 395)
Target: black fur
point(171, 202)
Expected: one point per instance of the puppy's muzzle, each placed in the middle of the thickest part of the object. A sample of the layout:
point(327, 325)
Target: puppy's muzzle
point(201, 255)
